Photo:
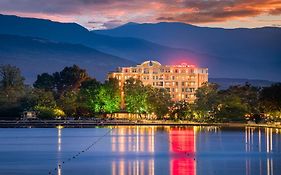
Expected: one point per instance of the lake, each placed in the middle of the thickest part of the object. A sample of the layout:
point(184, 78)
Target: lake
point(141, 150)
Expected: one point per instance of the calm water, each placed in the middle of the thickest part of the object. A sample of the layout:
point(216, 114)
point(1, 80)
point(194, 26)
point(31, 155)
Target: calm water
point(141, 150)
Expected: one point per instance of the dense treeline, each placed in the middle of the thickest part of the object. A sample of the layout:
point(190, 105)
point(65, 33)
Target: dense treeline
point(73, 93)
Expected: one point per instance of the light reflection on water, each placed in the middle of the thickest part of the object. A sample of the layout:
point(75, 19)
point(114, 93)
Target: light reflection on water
point(142, 150)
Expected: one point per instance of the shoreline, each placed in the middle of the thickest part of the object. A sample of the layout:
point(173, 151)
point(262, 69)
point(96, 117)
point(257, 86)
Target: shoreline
point(91, 123)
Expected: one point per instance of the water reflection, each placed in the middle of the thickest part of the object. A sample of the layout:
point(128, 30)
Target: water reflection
point(182, 142)
point(142, 150)
point(194, 150)
point(133, 167)
point(135, 140)
point(59, 151)
point(261, 139)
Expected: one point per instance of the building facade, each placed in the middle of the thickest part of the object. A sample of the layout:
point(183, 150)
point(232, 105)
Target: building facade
point(181, 81)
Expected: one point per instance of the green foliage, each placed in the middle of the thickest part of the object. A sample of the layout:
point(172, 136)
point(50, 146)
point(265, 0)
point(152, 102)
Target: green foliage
point(231, 108)
point(88, 96)
point(71, 92)
point(270, 98)
point(68, 103)
point(44, 112)
point(37, 97)
point(207, 97)
point(45, 81)
point(109, 96)
point(10, 78)
point(12, 90)
point(69, 79)
point(159, 101)
point(181, 110)
point(248, 95)
point(232, 104)
point(135, 96)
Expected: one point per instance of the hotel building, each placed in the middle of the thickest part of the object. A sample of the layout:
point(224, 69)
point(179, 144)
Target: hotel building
point(181, 81)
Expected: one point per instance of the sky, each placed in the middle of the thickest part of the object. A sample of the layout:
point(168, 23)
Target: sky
point(106, 14)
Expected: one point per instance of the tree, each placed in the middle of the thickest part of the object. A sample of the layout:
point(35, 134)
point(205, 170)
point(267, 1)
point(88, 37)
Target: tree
point(158, 100)
point(270, 98)
point(45, 81)
point(270, 102)
point(100, 98)
point(88, 97)
point(135, 96)
point(69, 79)
point(109, 96)
point(12, 90)
point(230, 108)
point(68, 102)
point(182, 110)
point(10, 78)
point(207, 102)
point(248, 95)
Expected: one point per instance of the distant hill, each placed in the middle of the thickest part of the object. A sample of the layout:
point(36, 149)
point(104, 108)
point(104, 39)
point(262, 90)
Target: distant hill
point(137, 50)
point(232, 53)
point(37, 55)
point(252, 53)
point(225, 83)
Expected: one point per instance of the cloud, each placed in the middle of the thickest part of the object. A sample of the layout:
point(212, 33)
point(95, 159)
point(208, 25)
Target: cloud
point(165, 18)
point(110, 13)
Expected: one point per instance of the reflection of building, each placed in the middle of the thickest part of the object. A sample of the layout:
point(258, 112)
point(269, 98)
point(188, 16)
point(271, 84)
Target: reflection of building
point(182, 144)
point(134, 139)
point(264, 142)
point(180, 80)
point(133, 167)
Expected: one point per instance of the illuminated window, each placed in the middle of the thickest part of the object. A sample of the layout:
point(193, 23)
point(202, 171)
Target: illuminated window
point(192, 71)
point(146, 71)
point(155, 71)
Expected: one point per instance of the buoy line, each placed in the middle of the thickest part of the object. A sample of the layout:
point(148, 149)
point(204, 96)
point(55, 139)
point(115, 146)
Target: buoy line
point(54, 171)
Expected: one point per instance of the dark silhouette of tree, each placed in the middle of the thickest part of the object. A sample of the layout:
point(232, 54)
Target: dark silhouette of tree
point(270, 98)
point(12, 89)
point(45, 81)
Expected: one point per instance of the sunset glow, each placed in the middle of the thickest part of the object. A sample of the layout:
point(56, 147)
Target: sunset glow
point(112, 13)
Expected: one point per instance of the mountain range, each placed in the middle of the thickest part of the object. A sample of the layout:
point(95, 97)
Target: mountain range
point(242, 52)
point(33, 43)
point(37, 55)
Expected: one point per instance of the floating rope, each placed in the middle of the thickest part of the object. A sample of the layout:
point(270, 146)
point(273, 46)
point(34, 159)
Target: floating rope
point(54, 171)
